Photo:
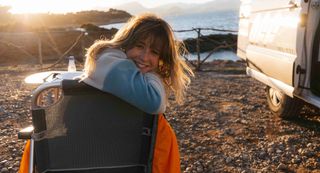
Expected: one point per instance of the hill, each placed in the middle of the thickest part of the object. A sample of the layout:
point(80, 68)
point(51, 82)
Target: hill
point(31, 22)
point(182, 8)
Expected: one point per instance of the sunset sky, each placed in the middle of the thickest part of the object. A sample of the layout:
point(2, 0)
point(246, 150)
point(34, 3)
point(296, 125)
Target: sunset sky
point(63, 6)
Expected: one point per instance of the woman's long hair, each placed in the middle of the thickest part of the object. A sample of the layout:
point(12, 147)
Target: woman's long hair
point(156, 31)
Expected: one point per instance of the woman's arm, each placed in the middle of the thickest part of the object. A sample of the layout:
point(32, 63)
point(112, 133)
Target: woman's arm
point(119, 76)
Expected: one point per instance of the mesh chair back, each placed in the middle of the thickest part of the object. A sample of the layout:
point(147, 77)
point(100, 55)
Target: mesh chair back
point(93, 131)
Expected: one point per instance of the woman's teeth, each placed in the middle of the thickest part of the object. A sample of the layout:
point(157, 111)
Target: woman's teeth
point(141, 65)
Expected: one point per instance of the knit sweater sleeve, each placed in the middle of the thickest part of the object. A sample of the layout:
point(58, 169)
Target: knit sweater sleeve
point(119, 76)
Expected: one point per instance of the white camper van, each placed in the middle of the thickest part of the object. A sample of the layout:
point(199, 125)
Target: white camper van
point(279, 40)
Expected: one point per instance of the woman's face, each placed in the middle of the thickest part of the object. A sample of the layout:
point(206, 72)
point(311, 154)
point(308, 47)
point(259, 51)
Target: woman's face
point(145, 56)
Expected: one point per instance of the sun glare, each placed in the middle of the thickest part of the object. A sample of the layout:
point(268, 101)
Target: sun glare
point(47, 6)
point(64, 6)
point(57, 6)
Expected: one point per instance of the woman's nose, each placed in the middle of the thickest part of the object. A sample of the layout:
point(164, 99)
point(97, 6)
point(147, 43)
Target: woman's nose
point(144, 54)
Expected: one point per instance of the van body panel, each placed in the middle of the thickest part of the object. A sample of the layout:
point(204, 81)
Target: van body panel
point(272, 49)
point(271, 5)
point(265, 40)
point(277, 40)
point(244, 13)
point(276, 64)
point(274, 83)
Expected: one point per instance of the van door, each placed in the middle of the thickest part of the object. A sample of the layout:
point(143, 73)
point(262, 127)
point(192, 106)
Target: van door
point(315, 67)
point(272, 38)
point(307, 64)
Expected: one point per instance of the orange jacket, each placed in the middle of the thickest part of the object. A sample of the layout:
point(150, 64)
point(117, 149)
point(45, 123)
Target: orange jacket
point(166, 157)
point(24, 164)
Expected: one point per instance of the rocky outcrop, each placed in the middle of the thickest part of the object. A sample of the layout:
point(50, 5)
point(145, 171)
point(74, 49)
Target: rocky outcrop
point(209, 42)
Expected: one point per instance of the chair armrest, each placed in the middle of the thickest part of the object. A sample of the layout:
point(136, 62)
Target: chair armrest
point(25, 133)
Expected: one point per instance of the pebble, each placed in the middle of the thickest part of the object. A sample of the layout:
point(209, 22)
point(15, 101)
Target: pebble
point(199, 168)
point(262, 154)
point(228, 160)
point(278, 151)
point(3, 162)
point(281, 166)
point(296, 160)
point(4, 170)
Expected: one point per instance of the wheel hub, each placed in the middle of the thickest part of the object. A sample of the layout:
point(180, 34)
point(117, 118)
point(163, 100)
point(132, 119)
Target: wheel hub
point(275, 96)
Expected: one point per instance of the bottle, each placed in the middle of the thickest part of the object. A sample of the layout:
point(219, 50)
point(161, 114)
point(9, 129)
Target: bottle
point(72, 66)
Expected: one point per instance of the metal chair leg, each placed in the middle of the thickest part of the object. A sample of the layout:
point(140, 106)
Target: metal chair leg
point(31, 157)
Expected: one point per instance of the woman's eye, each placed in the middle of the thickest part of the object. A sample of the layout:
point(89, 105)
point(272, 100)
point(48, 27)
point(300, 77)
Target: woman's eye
point(155, 52)
point(140, 46)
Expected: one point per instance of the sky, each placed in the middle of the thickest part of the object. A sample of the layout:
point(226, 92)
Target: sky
point(64, 6)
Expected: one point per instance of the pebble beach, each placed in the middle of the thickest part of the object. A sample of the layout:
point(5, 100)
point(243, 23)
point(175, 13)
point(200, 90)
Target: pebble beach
point(223, 126)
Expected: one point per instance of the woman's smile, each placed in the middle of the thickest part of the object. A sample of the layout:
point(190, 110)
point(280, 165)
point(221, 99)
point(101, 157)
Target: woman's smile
point(140, 64)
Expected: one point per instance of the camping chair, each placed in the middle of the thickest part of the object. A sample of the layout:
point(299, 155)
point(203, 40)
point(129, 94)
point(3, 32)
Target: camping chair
point(86, 130)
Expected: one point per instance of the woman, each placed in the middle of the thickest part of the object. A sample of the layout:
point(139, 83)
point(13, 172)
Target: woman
point(143, 60)
point(142, 65)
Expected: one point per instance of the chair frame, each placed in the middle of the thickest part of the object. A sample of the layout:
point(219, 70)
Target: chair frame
point(28, 133)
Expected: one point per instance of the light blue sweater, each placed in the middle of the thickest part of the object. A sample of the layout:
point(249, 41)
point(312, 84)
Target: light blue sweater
point(118, 75)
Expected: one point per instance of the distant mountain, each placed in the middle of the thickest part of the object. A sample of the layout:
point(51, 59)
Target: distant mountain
point(220, 5)
point(132, 7)
point(182, 8)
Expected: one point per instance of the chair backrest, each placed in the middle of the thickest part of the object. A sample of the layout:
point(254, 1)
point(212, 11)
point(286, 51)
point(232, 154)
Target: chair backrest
point(88, 130)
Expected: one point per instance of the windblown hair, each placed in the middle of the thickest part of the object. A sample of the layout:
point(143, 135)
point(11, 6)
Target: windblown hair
point(156, 31)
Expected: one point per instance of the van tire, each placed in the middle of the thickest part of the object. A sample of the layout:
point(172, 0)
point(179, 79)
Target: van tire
point(282, 105)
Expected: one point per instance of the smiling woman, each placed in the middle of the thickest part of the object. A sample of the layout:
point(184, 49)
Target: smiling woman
point(143, 60)
point(128, 67)
point(142, 65)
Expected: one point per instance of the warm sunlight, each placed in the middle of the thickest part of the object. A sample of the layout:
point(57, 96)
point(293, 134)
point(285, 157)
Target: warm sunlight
point(64, 6)
point(40, 6)
point(39, 78)
point(238, 80)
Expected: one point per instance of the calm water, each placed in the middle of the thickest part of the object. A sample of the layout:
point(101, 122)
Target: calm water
point(218, 20)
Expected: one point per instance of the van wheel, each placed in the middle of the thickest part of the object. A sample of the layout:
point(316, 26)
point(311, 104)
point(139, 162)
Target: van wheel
point(283, 105)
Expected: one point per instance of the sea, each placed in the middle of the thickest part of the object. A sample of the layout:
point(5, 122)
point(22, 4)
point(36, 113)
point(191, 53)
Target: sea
point(225, 20)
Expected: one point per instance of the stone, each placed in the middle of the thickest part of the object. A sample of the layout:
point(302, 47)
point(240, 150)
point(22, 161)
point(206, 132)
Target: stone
point(228, 160)
point(4, 170)
point(3, 162)
point(199, 169)
point(281, 166)
point(262, 155)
